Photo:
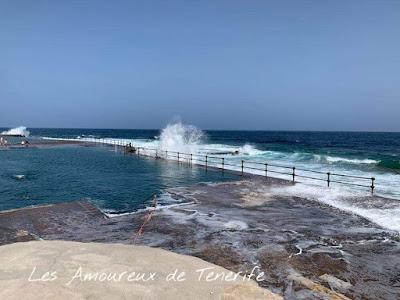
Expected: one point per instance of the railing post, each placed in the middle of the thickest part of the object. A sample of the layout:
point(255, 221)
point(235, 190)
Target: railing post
point(242, 166)
point(372, 185)
point(329, 178)
point(294, 174)
point(266, 170)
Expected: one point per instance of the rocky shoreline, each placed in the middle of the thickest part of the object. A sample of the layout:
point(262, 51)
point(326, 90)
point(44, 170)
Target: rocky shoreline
point(306, 249)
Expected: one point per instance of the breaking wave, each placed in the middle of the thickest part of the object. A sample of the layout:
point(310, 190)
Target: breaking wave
point(250, 150)
point(21, 131)
point(336, 159)
point(351, 161)
point(181, 138)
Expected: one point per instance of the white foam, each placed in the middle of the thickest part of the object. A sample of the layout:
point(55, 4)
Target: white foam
point(343, 199)
point(333, 159)
point(236, 225)
point(249, 150)
point(21, 130)
point(112, 213)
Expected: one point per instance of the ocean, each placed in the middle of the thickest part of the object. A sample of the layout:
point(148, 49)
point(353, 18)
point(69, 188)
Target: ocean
point(120, 183)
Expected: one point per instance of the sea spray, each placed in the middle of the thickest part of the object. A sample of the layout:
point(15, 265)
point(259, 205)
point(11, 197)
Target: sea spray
point(181, 138)
point(20, 131)
point(249, 150)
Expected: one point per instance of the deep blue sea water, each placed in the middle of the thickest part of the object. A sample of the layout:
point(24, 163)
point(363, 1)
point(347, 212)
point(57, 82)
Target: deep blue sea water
point(383, 147)
point(121, 182)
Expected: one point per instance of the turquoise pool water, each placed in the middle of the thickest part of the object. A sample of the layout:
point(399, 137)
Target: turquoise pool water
point(108, 177)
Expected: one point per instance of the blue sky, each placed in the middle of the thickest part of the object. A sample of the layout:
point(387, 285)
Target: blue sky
point(274, 65)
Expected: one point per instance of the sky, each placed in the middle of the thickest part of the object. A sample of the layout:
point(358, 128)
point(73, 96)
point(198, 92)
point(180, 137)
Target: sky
point(253, 65)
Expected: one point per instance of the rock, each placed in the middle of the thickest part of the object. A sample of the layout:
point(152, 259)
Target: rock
point(76, 271)
point(336, 283)
point(316, 287)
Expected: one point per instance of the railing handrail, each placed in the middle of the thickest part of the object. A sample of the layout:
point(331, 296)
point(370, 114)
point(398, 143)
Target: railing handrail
point(192, 156)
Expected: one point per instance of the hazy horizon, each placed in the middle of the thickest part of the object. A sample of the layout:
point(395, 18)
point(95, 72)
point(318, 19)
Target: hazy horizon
point(206, 129)
point(264, 65)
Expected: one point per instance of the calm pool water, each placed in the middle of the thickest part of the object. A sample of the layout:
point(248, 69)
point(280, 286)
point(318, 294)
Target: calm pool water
point(112, 180)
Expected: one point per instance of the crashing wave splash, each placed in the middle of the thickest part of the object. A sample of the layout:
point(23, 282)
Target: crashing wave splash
point(17, 131)
point(181, 138)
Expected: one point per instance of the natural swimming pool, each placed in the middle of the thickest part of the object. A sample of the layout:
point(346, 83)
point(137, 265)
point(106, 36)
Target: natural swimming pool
point(111, 179)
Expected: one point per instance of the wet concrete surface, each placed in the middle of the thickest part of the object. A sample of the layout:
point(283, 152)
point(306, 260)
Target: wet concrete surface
point(58, 221)
point(308, 250)
point(9, 236)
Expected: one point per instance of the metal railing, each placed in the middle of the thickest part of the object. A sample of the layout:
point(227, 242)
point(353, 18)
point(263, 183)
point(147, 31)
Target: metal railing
point(246, 166)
